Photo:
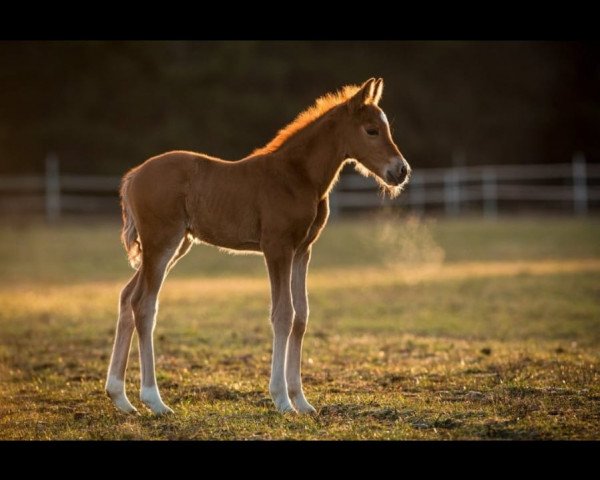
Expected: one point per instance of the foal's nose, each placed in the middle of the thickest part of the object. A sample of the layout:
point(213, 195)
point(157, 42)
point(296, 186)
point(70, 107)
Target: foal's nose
point(403, 170)
point(397, 171)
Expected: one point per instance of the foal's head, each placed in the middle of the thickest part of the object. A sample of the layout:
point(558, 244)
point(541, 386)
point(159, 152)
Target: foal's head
point(369, 140)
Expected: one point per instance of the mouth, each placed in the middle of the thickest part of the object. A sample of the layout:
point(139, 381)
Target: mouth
point(395, 178)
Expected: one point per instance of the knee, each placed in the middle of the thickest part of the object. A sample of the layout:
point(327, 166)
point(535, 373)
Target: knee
point(125, 300)
point(127, 291)
point(136, 297)
point(143, 314)
point(300, 322)
point(282, 319)
point(137, 306)
point(144, 324)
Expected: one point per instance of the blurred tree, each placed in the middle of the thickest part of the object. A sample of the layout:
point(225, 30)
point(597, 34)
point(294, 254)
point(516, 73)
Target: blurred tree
point(105, 106)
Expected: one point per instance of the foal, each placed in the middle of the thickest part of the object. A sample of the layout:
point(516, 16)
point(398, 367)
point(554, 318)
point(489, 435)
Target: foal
point(274, 202)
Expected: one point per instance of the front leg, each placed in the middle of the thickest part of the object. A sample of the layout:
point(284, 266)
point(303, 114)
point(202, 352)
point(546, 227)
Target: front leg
point(279, 263)
point(294, 356)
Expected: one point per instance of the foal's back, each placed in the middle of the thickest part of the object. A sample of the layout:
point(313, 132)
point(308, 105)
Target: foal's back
point(194, 192)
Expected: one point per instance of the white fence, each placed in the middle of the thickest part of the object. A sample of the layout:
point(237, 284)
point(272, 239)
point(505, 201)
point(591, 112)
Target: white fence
point(574, 185)
point(57, 193)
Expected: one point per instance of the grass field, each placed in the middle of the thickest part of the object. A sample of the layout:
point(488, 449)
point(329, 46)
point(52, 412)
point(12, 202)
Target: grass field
point(439, 330)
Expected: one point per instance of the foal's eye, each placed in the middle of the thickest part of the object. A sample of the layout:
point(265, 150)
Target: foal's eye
point(373, 132)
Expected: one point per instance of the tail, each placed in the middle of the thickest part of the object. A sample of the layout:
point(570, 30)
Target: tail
point(129, 234)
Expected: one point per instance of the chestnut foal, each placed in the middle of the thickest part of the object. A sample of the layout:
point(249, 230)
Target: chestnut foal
point(274, 202)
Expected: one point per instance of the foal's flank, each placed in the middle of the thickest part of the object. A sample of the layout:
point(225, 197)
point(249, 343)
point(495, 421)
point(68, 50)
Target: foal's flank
point(274, 202)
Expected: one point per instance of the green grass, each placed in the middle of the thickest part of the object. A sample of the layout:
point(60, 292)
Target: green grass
point(457, 329)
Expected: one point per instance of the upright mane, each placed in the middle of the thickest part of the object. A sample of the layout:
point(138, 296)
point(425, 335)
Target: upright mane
point(321, 106)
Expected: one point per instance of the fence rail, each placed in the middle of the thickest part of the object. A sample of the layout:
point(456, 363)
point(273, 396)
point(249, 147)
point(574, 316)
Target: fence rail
point(575, 183)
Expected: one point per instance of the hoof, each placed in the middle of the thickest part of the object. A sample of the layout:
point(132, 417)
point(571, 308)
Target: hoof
point(301, 404)
point(285, 408)
point(151, 398)
point(159, 409)
point(283, 404)
point(121, 401)
point(123, 404)
point(305, 407)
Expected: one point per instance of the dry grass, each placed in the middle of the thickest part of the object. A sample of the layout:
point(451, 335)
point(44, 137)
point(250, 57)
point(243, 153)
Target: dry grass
point(457, 329)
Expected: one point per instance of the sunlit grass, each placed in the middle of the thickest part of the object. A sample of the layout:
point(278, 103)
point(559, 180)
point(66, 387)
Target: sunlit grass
point(450, 329)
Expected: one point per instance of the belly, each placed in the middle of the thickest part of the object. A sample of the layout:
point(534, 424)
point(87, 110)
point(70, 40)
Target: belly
point(228, 228)
point(224, 212)
point(233, 245)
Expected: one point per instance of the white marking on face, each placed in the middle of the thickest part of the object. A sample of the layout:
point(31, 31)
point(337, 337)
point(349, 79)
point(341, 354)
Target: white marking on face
point(384, 118)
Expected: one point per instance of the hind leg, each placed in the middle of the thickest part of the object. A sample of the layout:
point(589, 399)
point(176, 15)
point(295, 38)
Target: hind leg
point(182, 251)
point(115, 380)
point(156, 258)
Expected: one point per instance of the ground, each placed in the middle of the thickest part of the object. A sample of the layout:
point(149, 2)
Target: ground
point(460, 329)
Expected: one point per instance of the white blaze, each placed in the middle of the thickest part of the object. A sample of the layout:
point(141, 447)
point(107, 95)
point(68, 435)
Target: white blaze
point(384, 118)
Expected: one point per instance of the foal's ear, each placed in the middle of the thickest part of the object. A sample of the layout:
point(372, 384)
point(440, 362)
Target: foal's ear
point(377, 91)
point(363, 96)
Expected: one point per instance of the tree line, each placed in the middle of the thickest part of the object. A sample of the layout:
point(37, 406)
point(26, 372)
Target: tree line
point(103, 107)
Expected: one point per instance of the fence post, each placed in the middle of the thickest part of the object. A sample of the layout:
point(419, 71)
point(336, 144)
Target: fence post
point(452, 191)
point(490, 193)
point(416, 191)
point(580, 192)
point(52, 188)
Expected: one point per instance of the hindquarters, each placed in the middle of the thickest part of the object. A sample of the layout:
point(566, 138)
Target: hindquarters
point(153, 203)
point(155, 237)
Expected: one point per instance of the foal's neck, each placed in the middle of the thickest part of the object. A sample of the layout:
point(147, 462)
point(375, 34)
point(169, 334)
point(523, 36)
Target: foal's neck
point(316, 153)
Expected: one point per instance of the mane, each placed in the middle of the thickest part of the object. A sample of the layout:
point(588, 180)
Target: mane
point(321, 106)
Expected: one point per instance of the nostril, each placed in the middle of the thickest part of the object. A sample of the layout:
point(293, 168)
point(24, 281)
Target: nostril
point(403, 169)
